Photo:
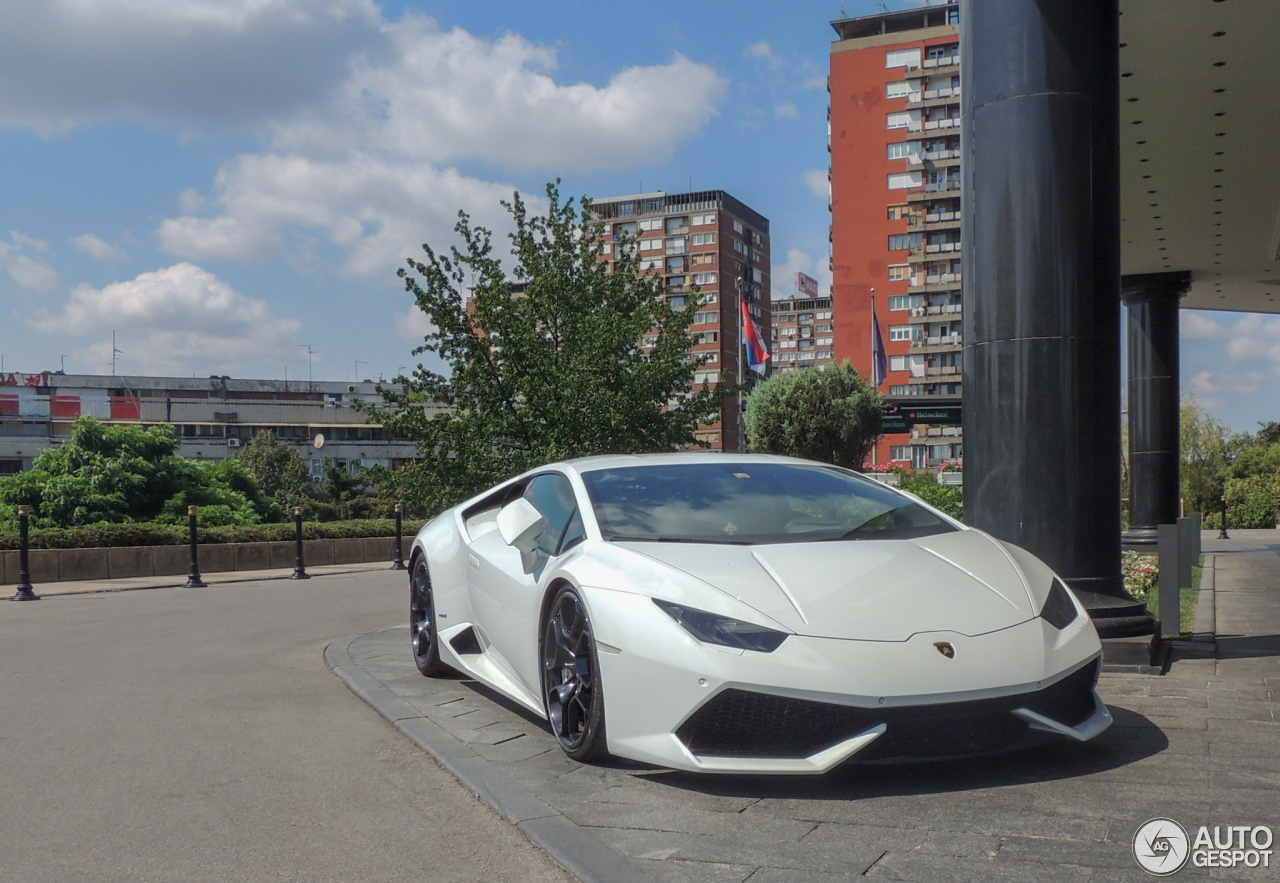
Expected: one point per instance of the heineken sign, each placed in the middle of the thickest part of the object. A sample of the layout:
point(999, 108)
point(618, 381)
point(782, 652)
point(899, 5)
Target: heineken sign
point(897, 418)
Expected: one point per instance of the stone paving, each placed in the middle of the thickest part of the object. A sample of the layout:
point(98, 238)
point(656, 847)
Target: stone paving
point(1200, 745)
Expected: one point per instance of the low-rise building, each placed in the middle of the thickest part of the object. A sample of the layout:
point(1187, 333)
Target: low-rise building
point(214, 417)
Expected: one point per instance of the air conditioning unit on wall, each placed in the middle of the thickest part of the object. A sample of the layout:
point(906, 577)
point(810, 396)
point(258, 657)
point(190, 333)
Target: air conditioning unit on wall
point(233, 442)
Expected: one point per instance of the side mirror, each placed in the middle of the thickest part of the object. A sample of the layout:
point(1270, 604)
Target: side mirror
point(519, 524)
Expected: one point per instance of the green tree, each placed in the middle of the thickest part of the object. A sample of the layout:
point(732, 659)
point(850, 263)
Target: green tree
point(832, 415)
point(1204, 458)
point(122, 473)
point(340, 495)
point(545, 360)
point(278, 469)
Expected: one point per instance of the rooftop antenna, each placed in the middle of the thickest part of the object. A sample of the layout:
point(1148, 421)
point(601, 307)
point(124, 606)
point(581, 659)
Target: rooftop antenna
point(310, 353)
point(359, 362)
point(114, 352)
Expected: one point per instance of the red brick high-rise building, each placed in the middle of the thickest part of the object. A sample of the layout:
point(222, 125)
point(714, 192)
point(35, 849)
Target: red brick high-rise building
point(894, 138)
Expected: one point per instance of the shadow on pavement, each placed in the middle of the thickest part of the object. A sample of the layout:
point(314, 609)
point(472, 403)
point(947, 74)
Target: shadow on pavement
point(1248, 646)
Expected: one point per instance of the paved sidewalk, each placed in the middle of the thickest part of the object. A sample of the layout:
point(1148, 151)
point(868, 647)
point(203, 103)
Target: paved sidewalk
point(1200, 745)
point(127, 584)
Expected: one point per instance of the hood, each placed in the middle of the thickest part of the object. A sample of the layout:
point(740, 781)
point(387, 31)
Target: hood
point(870, 590)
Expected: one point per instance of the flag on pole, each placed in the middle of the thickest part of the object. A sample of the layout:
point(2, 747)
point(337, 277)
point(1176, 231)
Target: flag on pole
point(757, 355)
point(879, 364)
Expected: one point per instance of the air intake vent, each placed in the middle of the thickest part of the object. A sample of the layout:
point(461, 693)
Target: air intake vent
point(465, 643)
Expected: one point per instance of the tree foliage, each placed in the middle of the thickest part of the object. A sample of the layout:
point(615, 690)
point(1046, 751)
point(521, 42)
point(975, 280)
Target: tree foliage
point(545, 360)
point(122, 474)
point(925, 485)
point(832, 415)
point(1243, 467)
point(278, 469)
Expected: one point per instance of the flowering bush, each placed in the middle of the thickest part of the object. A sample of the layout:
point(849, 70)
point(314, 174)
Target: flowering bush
point(884, 467)
point(952, 466)
point(1140, 573)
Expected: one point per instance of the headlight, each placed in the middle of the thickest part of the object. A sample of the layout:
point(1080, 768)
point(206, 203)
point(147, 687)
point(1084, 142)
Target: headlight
point(712, 628)
point(1059, 610)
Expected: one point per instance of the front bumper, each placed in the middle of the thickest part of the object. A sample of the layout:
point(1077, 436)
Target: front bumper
point(815, 703)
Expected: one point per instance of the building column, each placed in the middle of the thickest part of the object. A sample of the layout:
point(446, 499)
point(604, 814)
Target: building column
point(1152, 308)
point(1041, 250)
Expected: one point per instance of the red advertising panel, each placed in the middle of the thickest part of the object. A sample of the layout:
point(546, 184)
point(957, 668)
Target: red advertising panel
point(126, 408)
point(9, 406)
point(64, 407)
point(806, 285)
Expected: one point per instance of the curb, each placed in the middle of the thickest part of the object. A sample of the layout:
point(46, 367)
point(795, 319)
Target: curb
point(578, 850)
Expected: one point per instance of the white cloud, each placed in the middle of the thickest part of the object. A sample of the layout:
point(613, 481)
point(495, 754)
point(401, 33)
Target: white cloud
point(814, 82)
point(800, 261)
point(66, 63)
point(368, 169)
point(94, 246)
point(763, 52)
point(816, 181)
point(19, 259)
point(174, 320)
point(413, 324)
point(785, 111)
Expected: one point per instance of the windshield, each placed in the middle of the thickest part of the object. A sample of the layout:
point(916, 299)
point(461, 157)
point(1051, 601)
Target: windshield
point(751, 503)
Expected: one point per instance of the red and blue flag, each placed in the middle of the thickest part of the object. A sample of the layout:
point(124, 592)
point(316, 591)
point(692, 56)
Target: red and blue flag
point(757, 354)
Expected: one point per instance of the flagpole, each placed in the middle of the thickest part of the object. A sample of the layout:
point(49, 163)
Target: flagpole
point(742, 348)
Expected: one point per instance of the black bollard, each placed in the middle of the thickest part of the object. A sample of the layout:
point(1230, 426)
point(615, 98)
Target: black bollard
point(299, 567)
point(399, 562)
point(24, 592)
point(1222, 535)
point(193, 578)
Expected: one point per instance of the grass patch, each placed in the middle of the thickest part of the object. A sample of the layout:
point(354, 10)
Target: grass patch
point(1188, 600)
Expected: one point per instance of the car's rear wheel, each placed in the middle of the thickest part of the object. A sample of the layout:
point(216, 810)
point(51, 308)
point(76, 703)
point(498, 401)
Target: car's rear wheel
point(422, 621)
point(571, 685)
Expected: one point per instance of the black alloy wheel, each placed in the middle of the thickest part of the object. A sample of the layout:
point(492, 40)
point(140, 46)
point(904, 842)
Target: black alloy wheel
point(571, 686)
point(422, 621)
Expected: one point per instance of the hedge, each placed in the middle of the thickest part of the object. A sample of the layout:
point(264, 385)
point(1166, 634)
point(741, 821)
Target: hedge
point(98, 535)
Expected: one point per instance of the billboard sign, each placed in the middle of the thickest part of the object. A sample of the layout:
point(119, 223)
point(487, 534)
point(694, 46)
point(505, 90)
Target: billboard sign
point(806, 286)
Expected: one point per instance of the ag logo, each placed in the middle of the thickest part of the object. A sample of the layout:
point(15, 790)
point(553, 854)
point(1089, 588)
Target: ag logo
point(945, 649)
point(1161, 847)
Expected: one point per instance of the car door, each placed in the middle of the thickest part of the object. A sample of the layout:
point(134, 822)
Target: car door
point(506, 599)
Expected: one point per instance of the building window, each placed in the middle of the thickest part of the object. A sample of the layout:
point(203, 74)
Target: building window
point(674, 224)
point(704, 238)
point(902, 332)
point(898, 302)
point(903, 149)
point(706, 337)
point(900, 89)
point(897, 212)
point(738, 228)
point(650, 244)
point(900, 453)
point(897, 273)
point(897, 363)
point(606, 248)
point(650, 264)
point(651, 224)
point(902, 180)
point(902, 58)
point(702, 258)
point(702, 220)
point(704, 278)
point(676, 245)
point(897, 120)
point(899, 241)
point(628, 229)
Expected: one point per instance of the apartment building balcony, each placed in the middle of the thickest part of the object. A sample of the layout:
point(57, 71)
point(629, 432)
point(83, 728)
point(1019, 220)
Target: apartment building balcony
point(921, 315)
point(946, 372)
point(917, 223)
point(931, 191)
point(942, 343)
point(921, 284)
point(934, 67)
point(943, 124)
point(941, 247)
point(933, 98)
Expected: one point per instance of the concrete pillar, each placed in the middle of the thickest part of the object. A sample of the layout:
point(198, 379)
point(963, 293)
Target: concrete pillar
point(1151, 300)
point(1041, 240)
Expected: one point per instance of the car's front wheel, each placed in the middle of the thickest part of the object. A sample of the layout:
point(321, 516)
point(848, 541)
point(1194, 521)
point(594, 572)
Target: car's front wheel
point(571, 684)
point(422, 621)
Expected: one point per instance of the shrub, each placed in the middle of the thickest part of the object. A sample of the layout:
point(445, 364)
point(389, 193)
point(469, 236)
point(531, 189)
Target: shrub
point(99, 535)
point(1140, 573)
point(947, 497)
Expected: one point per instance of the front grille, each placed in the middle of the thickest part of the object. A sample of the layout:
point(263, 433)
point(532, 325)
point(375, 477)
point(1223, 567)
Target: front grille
point(741, 723)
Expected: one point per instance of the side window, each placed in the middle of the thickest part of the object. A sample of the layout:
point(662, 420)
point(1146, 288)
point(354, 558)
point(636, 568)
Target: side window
point(552, 495)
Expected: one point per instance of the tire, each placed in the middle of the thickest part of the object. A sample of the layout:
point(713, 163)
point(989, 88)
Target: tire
point(423, 640)
point(572, 691)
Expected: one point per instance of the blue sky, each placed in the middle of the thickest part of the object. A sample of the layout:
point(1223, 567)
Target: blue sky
point(220, 182)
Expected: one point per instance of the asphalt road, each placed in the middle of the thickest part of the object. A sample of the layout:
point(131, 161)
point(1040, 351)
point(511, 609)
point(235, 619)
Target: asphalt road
point(182, 735)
